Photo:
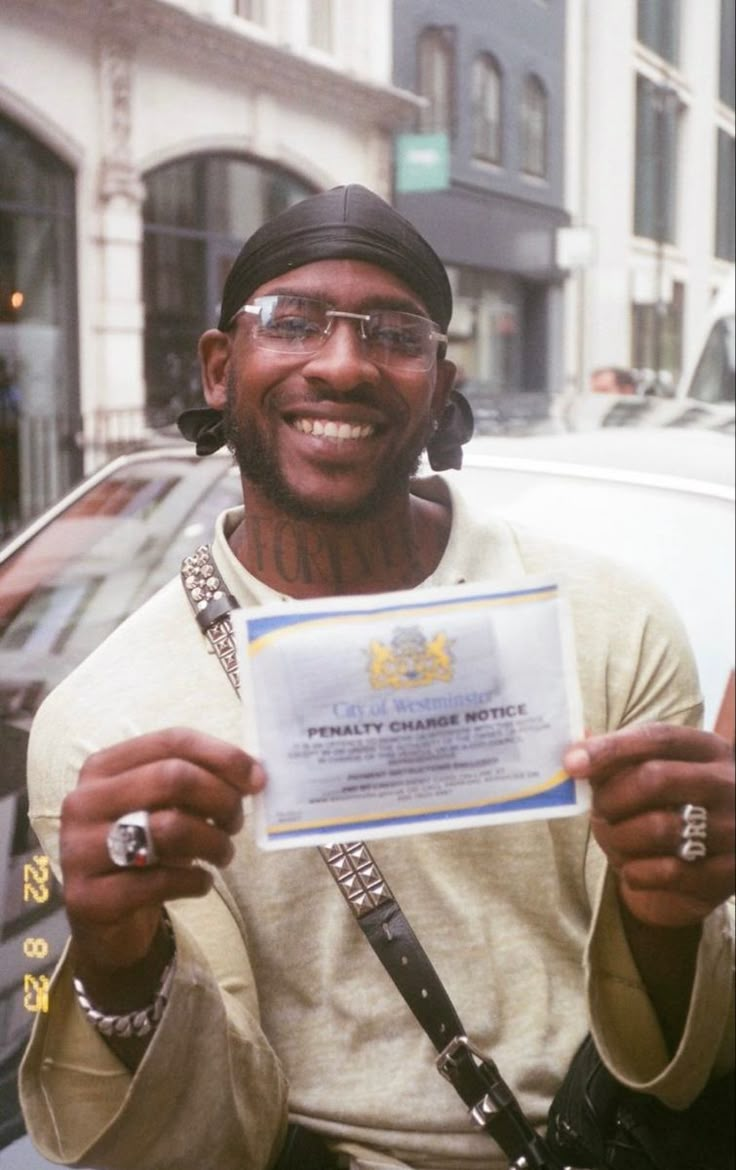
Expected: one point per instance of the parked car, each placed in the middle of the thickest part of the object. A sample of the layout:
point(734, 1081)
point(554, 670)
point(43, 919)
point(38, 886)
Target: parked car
point(662, 500)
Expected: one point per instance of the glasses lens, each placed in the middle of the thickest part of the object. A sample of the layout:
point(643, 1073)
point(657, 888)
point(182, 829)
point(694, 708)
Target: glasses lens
point(399, 339)
point(289, 324)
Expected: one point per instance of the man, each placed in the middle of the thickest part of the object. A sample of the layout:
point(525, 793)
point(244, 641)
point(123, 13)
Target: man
point(256, 998)
point(612, 380)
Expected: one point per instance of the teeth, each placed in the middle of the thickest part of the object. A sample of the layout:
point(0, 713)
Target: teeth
point(333, 430)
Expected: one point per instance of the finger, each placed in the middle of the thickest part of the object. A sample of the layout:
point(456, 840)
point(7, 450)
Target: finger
point(658, 783)
point(178, 840)
point(229, 762)
point(655, 834)
point(112, 898)
point(664, 907)
point(165, 783)
point(597, 756)
point(709, 881)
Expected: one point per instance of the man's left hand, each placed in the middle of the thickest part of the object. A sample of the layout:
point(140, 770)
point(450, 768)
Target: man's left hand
point(642, 778)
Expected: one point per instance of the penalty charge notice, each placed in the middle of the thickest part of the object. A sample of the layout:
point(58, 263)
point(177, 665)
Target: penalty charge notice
point(413, 711)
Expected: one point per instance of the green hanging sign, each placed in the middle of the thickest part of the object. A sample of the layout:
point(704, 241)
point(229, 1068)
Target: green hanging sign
point(422, 162)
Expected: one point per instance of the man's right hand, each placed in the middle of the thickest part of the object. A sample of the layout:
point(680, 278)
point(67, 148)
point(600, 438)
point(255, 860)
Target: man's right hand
point(192, 785)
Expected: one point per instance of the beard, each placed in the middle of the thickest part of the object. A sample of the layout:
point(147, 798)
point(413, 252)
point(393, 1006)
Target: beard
point(259, 464)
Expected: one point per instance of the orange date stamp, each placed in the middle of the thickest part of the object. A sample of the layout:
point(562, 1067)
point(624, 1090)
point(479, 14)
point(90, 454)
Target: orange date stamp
point(36, 888)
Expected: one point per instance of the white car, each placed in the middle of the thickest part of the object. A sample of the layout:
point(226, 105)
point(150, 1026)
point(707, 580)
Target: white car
point(662, 500)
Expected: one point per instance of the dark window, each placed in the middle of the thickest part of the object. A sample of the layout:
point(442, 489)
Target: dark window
point(197, 214)
point(534, 125)
point(656, 337)
point(436, 71)
point(658, 27)
point(486, 95)
point(655, 188)
point(713, 380)
point(726, 57)
point(38, 321)
point(725, 205)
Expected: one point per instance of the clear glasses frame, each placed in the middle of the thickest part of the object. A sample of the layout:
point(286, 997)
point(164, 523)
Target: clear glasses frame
point(298, 326)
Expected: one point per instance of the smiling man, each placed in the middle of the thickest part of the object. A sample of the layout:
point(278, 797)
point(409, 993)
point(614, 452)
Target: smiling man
point(331, 378)
point(212, 993)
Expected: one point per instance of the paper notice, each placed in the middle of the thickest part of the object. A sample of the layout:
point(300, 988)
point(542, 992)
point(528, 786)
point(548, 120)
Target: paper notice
point(410, 712)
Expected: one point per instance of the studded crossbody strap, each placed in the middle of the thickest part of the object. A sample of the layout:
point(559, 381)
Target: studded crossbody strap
point(491, 1103)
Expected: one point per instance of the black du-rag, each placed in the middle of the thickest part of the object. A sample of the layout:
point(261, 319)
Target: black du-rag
point(346, 223)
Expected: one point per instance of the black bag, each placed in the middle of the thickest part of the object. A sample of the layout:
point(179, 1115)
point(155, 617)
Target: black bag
point(304, 1150)
point(595, 1122)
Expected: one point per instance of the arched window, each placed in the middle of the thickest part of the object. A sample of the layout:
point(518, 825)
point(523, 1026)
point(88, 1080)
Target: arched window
point(39, 380)
point(197, 214)
point(486, 97)
point(534, 123)
point(436, 69)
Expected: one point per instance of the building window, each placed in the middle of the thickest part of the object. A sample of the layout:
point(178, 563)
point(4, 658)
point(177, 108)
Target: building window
point(486, 93)
point(320, 29)
point(197, 213)
point(656, 337)
point(655, 183)
point(39, 391)
point(436, 70)
point(486, 333)
point(658, 27)
point(534, 123)
point(725, 204)
point(726, 69)
point(253, 10)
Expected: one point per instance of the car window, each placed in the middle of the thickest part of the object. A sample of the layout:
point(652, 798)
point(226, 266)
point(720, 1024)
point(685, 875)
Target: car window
point(62, 593)
point(714, 377)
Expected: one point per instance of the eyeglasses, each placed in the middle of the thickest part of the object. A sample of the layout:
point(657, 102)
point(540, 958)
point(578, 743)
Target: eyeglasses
point(299, 325)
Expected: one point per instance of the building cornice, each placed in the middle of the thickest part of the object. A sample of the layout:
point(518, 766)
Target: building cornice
point(224, 49)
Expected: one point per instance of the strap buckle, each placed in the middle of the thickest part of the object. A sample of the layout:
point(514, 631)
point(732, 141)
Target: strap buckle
point(448, 1057)
point(492, 1105)
point(495, 1094)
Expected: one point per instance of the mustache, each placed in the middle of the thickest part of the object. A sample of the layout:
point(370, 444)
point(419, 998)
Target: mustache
point(385, 402)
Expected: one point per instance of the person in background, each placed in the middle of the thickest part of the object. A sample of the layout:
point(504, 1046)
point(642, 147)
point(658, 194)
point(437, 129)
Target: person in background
point(612, 380)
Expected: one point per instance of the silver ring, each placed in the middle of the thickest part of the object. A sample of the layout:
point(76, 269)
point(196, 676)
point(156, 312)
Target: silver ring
point(130, 843)
point(694, 833)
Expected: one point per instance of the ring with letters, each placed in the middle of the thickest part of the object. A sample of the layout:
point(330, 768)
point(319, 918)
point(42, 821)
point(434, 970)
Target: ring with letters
point(130, 843)
point(694, 833)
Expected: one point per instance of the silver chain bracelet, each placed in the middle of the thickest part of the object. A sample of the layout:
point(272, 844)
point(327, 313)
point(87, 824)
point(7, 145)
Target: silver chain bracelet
point(140, 1022)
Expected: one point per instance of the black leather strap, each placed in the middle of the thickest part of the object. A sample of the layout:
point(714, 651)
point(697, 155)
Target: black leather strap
point(387, 929)
point(398, 948)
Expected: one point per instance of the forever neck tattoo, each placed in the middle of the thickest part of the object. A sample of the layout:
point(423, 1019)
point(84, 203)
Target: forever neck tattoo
point(308, 558)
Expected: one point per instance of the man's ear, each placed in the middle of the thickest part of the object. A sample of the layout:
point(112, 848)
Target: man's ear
point(214, 360)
